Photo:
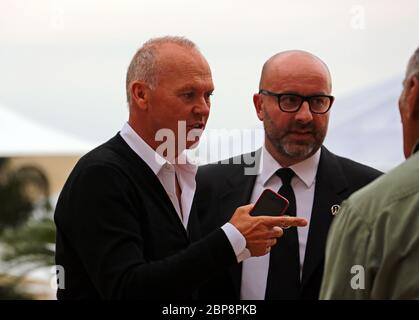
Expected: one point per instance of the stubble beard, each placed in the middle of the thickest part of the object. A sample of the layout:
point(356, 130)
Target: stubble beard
point(289, 148)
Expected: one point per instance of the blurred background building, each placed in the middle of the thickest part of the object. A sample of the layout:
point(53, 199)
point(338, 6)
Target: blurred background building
point(32, 150)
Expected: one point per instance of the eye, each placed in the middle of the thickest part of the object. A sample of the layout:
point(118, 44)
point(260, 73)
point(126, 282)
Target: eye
point(208, 95)
point(319, 101)
point(290, 100)
point(188, 95)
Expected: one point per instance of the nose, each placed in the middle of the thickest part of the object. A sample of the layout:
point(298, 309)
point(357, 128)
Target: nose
point(304, 115)
point(202, 107)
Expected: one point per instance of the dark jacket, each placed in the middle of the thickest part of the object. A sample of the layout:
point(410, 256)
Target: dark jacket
point(119, 236)
point(221, 188)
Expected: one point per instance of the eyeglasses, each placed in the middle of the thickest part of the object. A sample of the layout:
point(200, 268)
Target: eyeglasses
point(291, 102)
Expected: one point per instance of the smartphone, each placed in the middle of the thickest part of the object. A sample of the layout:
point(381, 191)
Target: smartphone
point(270, 203)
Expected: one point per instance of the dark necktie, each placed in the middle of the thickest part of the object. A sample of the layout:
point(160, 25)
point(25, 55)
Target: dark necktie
point(284, 263)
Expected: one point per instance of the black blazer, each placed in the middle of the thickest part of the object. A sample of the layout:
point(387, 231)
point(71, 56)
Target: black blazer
point(119, 236)
point(223, 188)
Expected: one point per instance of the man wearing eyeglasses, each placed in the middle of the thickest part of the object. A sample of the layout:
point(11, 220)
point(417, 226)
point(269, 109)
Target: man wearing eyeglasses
point(293, 102)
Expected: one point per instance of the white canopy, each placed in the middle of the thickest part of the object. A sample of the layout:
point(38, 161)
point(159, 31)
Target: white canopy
point(22, 136)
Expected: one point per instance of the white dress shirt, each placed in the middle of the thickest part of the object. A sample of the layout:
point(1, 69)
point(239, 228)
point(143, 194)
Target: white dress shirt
point(255, 269)
point(185, 172)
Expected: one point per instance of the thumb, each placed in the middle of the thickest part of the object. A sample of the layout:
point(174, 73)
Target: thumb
point(247, 208)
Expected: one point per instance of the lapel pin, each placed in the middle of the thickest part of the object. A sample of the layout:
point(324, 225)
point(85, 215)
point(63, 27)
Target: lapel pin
point(335, 209)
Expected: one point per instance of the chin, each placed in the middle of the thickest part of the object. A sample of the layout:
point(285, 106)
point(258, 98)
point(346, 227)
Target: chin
point(302, 152)
point(192, 145)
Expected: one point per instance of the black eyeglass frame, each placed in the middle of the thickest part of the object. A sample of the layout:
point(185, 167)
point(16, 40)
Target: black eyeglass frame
point(303, 98)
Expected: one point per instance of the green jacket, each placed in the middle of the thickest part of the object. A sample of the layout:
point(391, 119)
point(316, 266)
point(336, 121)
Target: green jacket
point(372, 250)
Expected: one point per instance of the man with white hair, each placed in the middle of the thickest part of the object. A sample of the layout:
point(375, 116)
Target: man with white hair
point(373, 245)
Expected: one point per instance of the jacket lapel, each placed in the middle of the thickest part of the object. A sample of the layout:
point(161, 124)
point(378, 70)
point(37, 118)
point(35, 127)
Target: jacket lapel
point(193, 228)
point(151, 185)
point(330, 186)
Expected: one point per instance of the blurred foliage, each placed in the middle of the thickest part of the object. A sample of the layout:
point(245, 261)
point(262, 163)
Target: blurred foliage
point(21, 190)
point(11, 291)
point(27, 231)
point(30, 243)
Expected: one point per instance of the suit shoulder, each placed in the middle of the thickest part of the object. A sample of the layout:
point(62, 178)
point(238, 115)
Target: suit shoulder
point(109, 157)
point(355, 166)
point(109, 153)
point(399, 183)
point(221, 169)
point(211, 170)
point(358, 173)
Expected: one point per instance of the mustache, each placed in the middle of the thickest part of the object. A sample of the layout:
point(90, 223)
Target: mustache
point(301, 127)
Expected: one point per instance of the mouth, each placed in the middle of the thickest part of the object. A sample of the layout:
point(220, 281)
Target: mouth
point(301, 134)
point(198, 125)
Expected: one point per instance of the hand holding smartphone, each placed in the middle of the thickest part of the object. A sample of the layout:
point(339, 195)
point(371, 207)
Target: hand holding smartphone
point(255, 228)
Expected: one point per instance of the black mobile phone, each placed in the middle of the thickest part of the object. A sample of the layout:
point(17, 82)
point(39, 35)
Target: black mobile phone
point(270, 203)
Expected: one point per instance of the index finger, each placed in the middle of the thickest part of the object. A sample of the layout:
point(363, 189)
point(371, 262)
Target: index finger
point(285, 220)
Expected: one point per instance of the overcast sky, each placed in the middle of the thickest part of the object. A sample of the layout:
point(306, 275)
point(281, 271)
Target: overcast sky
point(63, 63)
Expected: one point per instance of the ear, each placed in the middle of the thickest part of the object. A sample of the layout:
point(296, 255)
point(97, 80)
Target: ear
point(139, 94)
point(412, 97)
point(257, 101)
point(415, 97)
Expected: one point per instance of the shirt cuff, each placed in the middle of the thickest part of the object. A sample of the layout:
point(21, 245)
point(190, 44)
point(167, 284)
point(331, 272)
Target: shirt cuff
point(237, 241)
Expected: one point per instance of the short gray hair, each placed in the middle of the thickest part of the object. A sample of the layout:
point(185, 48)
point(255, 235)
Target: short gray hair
point(413, 65)
point(144, 66)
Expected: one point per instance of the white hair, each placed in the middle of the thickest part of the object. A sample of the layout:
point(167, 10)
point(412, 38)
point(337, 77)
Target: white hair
point(413, 65)
point(144, 66)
